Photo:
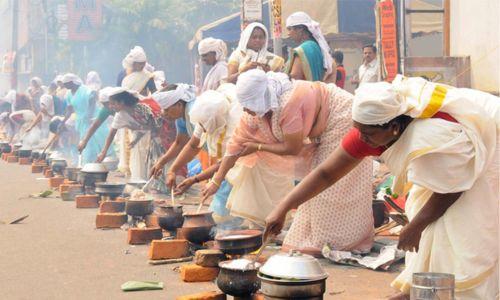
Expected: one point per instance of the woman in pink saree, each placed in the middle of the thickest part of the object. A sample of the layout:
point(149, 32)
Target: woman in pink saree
point(287, 127)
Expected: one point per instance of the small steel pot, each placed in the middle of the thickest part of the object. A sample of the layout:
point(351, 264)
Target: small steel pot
point(239, 241)
point(237, 282)
point(139, 208)
point(58, 165)
point(170, 217)
point(109, 189)
point(23, 153)
point(72, 173)
point(88, 180)
point(287, 289)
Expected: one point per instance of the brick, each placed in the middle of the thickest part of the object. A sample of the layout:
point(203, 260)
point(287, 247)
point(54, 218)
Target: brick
point(87, 201)
point(152, 220)
point(195, 273)
point(168, 249)
point(12, 159)
point(213, 295)
point(208, 257)
point(55, 182)
point(48, 173)
point(137, 236)
point(112, 207)
point(25, 161)
point(180, 234)
point(110, 220)
point(36, 168)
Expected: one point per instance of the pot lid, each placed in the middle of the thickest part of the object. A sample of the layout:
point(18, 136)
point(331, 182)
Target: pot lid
point(109, 159)
point(94, 168)
point(293, 266)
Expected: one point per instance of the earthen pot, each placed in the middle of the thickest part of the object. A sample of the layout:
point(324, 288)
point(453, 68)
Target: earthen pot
point(170, 217)
point(139, 208)
point(197, 227)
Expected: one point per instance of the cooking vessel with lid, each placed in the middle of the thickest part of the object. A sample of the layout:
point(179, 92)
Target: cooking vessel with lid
point(170, 217)
point(239, 241)
point(238, 282)
point(139, 208)
point(293, 266)
point(111, 189)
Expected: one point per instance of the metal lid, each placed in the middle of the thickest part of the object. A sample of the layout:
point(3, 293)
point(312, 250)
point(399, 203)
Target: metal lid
point(94, 168)
point(293, 266)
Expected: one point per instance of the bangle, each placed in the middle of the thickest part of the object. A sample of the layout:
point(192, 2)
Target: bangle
point(214, 182)
point(260, 147)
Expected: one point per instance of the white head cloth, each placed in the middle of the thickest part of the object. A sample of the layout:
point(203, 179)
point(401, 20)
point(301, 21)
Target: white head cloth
point(93, 80)
point(58, 78)
point(301, 18)
point(213, 45)
point(70, 77)
point(159, 78)
point(117, 90)
point(245, 37)
point(10, 97)
point(136, 54)
point(183, 92)
point(259, 92)
point(38, 80)
point(104, 93)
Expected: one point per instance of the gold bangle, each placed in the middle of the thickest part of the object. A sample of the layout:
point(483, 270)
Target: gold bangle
point(214, 182)
point(259, 148)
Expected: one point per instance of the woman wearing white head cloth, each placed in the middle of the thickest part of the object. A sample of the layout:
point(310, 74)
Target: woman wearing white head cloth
point(93, 81)
point(440, 144)
point(176, 103)
point(286, 125)
point(213, 53)
point(252, 53)
point(216, 115)
point(138, 78)
point(35, 91)
point(311, 60)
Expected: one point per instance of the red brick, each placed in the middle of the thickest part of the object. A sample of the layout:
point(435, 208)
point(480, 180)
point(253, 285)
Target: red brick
point(168, 249)
point(110, 220)
point(180, 234)
point(36, 168)
point(55, 182)
point(213, 295)
point(87, 201)
point(138, 236)
point(195, 273)
point(112, 207)
point(48, 173)
point(12, 159)
point(152, 220)
point(25, 161)
point(208, 257)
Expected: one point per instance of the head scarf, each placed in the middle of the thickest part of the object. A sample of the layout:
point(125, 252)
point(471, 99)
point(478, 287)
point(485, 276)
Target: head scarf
point(70, 77)
point(93, 81)
point(213, 45)
point(106, 92)
point(245, 37)
point(301, 18)
point(259, 92)
point(10, 97)
point(159, 78)
point(58, 78)
point(118, 90)
point(136, 54)
point(184, 92)
point(38, 80)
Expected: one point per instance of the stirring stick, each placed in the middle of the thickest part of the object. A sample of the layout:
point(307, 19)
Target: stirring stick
point(79, 161)
point(200, 206)
point(147, 183)
point(172, 196)
point(257, 255)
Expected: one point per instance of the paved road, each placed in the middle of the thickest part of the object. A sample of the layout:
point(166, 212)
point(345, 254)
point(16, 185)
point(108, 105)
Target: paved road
point(57, 253)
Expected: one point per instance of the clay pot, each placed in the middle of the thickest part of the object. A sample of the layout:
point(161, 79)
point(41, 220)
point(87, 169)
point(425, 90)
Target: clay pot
point(197, 227)
point(237, 283)
point(170, 217)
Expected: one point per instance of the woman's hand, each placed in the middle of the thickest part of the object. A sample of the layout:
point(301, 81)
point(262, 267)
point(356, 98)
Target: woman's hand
point(82, 145)
point(157, 169)
point(265, 67)
point(249, 66)
point(209, 190)
point(409, 238)
point(249, 148)
point(185, 185)
point(171, 180)
point(101, 157)
point(275, 222)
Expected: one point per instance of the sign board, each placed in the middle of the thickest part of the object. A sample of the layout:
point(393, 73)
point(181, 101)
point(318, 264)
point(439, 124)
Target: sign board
point(252, 11)
point(277, 20)
point(388, 38)
point(84, 19)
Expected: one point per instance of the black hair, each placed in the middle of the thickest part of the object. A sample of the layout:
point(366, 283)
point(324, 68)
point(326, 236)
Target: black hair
point(370, 46)
point(338, 56)
point(169, 87)
point(54, 125)
point(306, 30)
point(401, 120)
point(125, 98)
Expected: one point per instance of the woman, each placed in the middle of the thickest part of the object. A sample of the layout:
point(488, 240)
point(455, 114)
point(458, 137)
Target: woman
point(35, 92)
point(311, 60)
point(213, 53)
point(138, 79)
point(252, 53)
point(142, 117)
point(440, 143)
point(176, 103)
point(81, 101)
point(22, 120)
point(269, 143)
point(216, 114)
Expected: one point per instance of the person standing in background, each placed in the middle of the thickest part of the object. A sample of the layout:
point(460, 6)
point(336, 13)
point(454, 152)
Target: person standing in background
point(213, 53)
point(338, 58)
point(368, 71)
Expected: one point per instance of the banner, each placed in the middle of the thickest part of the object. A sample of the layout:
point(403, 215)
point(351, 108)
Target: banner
point(388, 38)
point(84, 19)
point(252, 11)
point(277, 20)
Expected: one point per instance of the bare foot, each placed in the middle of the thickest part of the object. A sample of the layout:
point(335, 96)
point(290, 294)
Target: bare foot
point(399, 296)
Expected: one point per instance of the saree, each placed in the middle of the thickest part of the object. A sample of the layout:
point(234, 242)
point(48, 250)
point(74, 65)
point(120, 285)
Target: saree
point(85, 113)
point(311, 57)
point(215, 76)
point(434, 155)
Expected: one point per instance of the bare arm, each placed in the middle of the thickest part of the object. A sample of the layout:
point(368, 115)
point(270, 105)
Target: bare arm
point(186, 155)
point(292, 145)
point(90, 132)
point(232, 73)
point(336, 166)
point(296, 69)
point(227, 163)
point(35, 122)
point(180, 141)
point(109, 140)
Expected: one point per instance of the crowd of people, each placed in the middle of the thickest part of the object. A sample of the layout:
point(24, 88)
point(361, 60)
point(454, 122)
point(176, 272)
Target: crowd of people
point(283, 146)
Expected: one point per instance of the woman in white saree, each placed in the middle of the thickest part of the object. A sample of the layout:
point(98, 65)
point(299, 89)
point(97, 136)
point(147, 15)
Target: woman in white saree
point(449, 165)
